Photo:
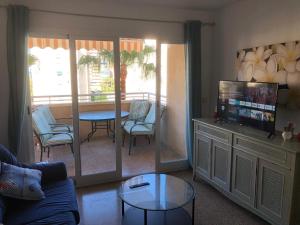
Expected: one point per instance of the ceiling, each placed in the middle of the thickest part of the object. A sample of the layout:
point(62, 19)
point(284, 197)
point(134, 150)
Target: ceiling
point(183, 4)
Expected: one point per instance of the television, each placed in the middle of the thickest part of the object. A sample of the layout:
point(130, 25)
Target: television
point(248, 103)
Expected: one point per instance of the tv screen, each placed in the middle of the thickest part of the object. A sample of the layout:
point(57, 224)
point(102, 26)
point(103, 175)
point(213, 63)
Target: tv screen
point(248, 103)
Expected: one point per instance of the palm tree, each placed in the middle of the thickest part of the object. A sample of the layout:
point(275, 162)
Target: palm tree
point(108, 56)
point(87, 61)
point(126, 59)
point(129, 58)
point(148, 69)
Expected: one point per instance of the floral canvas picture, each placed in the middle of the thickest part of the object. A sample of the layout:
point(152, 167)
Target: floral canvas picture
point(279, 63)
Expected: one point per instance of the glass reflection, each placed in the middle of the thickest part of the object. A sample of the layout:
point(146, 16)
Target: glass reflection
point(164, 192)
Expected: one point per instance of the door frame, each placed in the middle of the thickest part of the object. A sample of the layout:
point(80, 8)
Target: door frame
point(97, 178)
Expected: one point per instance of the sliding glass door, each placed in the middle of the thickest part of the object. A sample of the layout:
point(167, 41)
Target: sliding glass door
point(51, 100)
point(97, 95)
point(122, 101)
point(138, 98)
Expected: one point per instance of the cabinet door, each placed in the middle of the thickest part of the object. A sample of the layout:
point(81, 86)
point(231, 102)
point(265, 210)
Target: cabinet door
point(274, 192)
point(244, 168)
point(202, 155)
point(221, 164)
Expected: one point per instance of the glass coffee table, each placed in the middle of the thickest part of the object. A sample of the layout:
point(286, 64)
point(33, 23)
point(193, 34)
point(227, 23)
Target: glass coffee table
point(160, 201)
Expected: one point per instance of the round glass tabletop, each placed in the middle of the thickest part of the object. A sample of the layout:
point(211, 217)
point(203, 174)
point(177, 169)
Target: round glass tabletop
point(100, 115)
point(164, 192)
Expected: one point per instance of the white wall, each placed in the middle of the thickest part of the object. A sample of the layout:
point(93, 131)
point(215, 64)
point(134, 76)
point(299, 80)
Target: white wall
point(49, 23)
point(45, 23)
point(251, 23)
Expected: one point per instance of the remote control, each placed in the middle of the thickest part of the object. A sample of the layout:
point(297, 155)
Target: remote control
point(139, 185)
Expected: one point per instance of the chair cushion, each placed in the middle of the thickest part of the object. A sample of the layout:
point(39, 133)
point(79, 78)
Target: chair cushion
point(128, 123)
point(41, 125)
point(138, 110)
point(47, 114)
point(60, 199)
point(138, 129)
point(150, 118)
point(20, 183)
point(66, 128)
point(60, 139)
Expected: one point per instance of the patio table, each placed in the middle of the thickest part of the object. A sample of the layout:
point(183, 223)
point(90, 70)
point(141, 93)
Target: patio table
point(96, 118)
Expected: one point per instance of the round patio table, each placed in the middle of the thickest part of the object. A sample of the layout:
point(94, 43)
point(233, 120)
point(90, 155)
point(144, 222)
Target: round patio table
point(160, 201)
point(96, 118)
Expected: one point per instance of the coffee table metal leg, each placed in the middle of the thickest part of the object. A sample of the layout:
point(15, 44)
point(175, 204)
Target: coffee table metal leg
point(145, 217)
point(193, 212)
point(122, 208)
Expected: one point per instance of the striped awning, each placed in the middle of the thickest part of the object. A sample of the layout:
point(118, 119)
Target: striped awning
point(125, 44)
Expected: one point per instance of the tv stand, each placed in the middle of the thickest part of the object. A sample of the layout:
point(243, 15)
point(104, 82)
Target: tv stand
point(261, 174)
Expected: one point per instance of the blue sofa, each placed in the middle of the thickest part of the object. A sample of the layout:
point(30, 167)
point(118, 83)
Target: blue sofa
point(59, 207)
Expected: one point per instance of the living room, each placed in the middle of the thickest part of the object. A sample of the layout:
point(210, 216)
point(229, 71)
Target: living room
point(229, 34)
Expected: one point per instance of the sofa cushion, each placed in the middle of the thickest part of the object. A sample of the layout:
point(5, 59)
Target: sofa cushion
point(2, 209)
point(60, 198)
point(51, 172)
point(7, 157)
point(21, 183)
point(66, 218)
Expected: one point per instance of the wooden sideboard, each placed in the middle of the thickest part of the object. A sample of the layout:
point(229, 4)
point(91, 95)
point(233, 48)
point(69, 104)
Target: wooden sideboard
point(260, 174)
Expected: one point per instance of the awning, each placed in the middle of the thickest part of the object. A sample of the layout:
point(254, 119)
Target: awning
point(125, 44)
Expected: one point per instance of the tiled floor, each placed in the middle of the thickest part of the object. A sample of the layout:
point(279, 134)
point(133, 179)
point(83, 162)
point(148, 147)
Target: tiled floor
point(100, 205)
point(98, 155)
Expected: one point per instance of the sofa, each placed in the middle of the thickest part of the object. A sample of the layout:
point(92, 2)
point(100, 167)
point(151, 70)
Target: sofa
point(59, 207)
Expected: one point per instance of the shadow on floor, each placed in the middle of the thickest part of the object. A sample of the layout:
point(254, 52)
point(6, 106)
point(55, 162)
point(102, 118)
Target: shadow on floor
point(99, 155)
point(100, 205)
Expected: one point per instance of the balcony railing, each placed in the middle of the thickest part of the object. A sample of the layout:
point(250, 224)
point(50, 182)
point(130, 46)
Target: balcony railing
point(94, 98)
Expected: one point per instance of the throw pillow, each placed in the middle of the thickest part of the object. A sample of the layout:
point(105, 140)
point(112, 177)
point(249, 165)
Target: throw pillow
point(20, 183)
point(7, 156)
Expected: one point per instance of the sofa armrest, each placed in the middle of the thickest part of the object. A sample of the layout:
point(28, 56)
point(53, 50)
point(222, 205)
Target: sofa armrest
point(51, 172)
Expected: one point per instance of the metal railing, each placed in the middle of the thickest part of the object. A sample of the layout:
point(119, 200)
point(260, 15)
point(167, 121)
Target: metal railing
point(94, 98)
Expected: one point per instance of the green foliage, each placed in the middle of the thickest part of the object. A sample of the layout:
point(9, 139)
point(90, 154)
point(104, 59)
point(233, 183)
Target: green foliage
point(88, 60)
point(108, 85)
point(32, 60)
point(106, 55)
point(100, 98)
point(148, 69)
point(128, 58)
point(143, 60)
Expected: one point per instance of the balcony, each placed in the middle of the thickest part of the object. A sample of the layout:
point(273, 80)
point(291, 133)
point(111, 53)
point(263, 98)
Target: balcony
point(98, 155)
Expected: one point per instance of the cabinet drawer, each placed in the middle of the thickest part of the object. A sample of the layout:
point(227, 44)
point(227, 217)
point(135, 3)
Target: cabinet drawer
point(219, 135)
point(264, 151)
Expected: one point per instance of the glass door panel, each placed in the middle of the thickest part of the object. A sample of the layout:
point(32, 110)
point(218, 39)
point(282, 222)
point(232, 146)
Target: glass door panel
point(96, 106)
point(138, 88)
point(50, 89)
point(172, 126)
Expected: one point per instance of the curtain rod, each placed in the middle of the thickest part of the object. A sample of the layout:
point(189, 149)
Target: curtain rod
point(112, 17)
